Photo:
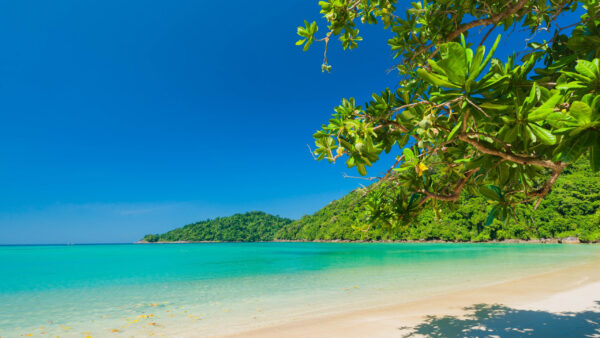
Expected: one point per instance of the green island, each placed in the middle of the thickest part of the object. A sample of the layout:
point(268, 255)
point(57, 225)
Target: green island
point(571, 209)
point(254, 226)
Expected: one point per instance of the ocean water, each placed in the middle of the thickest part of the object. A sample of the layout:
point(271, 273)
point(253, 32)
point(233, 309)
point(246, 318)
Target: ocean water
point(175, 289)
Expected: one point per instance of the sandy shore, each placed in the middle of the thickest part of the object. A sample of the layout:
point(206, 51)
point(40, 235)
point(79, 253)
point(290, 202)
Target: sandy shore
point(564, 302)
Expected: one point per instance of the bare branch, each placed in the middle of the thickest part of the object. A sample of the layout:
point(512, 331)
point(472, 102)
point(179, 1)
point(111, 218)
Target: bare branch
point(476, 107)
point(488, 34)
point(311, 152)
point(374, 178)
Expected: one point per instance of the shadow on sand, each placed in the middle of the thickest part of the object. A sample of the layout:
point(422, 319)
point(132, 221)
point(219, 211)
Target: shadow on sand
point(483, 320)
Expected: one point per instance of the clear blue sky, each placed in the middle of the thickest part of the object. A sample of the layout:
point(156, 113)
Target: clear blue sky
point(121, 118)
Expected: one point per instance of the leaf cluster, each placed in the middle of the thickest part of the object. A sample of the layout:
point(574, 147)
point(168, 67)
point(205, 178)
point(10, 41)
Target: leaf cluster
point(571, 209)
point(462, 120)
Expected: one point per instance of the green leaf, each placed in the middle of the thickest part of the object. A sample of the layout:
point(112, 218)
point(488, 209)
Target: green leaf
point(469, 55)
point(511, 135)
point(434, 65)
point(313, 27)
point(492, 82)
point(453, 61)
point(307, 45)
point(408, 154)
point(534, 94)
point(351, 162)
point(578, 76)
point(541, 112)
point(491, 192)
point(435, 79)
point(403, 168)
point(475, 69)
point(595, 104)
point(462, 160)
point(302, 32)
point(544, 135)
point(491, 216)
point(494, 106)
point(562, 62)
point(361, 169)
point(530, 133)
point(299, 42)
point(595, 157)
point(345, 144)
point(454, 131)
point(571, 85)
point(492, 50)
point(586, 68)
point(582, 112)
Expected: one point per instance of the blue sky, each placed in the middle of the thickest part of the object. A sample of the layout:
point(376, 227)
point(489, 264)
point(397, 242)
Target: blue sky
point(121, 118)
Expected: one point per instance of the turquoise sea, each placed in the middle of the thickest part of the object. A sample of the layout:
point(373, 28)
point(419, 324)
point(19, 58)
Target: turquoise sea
point(171, 289)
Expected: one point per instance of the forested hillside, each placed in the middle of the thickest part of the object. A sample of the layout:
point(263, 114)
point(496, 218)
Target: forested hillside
point(252, 226)
point(571, 209)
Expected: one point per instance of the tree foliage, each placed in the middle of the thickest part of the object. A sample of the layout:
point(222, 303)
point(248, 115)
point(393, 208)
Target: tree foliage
point(572, 208)
point(254, 226)
point(460, 119)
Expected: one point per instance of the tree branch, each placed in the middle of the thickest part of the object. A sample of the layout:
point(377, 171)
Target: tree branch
point(391, 123)
point(499, 141)
point(510, 156)
point(493, 20)
point(549, 184)
point(457, 190)
point(487, 21)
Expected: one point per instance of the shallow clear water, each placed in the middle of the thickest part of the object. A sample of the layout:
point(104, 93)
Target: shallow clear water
point(143, 290)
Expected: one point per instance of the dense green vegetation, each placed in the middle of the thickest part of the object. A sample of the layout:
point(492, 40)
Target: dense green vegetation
point(252, 226)
point(461, 121)
point(571, 209)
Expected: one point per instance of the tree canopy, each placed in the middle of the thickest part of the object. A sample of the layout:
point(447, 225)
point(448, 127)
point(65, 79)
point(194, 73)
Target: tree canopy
point(571, 209)
point(254, 226)
point(463, 120)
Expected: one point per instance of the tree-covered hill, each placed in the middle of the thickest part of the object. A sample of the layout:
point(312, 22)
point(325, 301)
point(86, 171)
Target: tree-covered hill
point(252, 226)
point(571, 209)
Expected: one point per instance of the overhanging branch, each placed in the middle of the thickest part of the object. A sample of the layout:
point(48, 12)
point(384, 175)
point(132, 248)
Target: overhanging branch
point(510, 156)
point(493, 20)
point(457, 190)
point(487, 21)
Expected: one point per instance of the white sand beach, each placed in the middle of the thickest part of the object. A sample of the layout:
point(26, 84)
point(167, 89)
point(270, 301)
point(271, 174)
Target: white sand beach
point(564, 302)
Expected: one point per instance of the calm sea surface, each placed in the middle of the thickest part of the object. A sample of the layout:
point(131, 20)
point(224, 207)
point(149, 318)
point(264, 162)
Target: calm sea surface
point(170, 289)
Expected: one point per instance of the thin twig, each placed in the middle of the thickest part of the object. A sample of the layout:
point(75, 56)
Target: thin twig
point(311, 152)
